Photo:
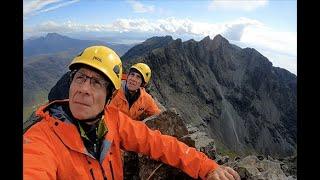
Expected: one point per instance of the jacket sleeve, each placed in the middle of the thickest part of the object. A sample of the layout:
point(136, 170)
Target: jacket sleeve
point(136, 136)
point(38, 158)
point(152, 108)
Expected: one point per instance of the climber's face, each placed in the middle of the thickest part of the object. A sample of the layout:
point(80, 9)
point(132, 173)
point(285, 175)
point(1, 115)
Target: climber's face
point(87, 94)
point(134, 81)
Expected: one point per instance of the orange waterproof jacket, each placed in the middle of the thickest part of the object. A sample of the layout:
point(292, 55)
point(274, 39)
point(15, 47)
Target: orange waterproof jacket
point(53, 149)
point(143, 107)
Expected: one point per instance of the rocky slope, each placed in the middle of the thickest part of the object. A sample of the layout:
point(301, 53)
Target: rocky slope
point(233, 94)
point(248, 167)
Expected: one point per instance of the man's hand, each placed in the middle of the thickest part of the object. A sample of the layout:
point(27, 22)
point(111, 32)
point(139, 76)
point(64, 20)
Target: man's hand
point(223, 173)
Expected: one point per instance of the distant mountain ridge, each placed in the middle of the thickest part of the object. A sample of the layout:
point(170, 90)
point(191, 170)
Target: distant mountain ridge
point(235, 94)
point(54, 42)
point(40, 73)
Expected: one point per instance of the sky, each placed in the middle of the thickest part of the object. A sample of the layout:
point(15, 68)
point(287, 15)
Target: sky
point(270, 27)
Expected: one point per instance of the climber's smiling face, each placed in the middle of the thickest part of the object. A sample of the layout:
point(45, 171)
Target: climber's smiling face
point(134, 81)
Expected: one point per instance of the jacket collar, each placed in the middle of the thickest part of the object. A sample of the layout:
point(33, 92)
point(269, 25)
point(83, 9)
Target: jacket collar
point(63, 125)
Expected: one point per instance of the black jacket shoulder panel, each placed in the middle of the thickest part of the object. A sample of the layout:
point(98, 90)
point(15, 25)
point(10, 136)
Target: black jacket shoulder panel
point(33, 119)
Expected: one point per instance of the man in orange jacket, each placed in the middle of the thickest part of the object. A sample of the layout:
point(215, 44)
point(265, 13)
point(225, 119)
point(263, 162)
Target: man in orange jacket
point(132, 98)
point(78, 138)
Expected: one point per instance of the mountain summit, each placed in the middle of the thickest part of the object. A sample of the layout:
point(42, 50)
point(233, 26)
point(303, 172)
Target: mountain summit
point(53, 43)
point(55, 37)
point(234, 94)
point(147, 46)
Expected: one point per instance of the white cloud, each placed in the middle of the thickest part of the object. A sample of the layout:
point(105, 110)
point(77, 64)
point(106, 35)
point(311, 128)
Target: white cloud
point(138, 7)
point(280, 42)
point(29, 6)
point(59, 6)
point(67, 27)
point(234, 30)
point(279, 47)
point(33, 7)
point(131, 25)
point(286, 61)
point(243, 5)
point(231, 30)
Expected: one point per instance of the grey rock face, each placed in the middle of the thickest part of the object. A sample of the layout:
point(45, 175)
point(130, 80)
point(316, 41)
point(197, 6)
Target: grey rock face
point(234, 94)
point(146, 47)
point(253, 168)
point(169, 123)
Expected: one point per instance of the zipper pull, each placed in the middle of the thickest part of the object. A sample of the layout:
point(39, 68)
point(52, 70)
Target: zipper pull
point(96, 141)
point(95, 148)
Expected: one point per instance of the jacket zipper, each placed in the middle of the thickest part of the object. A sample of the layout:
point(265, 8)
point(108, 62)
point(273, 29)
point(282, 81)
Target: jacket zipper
point(91, 172)
point(103, 173)
point(111, 169)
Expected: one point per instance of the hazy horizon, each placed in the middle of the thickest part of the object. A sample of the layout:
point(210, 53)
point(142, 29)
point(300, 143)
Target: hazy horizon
point(270, 27)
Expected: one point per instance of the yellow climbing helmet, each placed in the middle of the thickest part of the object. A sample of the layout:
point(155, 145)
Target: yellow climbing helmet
point(104, 60)
point(144, 70)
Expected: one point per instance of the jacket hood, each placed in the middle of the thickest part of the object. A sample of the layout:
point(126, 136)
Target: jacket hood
point(58, 109)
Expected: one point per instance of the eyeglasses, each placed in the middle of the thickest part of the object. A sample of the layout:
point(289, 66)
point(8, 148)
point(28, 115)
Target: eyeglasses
point(96, 83)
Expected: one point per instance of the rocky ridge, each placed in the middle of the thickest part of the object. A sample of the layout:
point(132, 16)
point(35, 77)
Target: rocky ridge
point(249, 167)
point(233, 94)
